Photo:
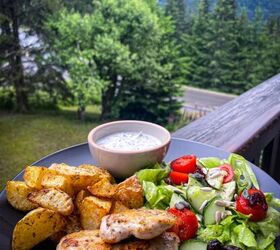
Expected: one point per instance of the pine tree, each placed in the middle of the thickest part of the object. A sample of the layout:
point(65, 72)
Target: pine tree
point(259, 42)
point(224, 65)
point(176, 9)
point(271, 54)
point(197, 47)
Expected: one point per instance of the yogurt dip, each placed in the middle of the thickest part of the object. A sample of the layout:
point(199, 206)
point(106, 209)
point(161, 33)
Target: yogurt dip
point(128, 141)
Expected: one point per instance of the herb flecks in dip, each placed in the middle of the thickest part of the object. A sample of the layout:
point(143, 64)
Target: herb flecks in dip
point(128, 141)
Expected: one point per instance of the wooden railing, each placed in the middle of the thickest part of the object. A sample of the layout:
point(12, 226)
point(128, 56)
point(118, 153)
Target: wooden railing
point(248, 125)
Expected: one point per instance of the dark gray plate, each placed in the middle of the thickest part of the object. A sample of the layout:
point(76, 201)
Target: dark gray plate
point(79, 154)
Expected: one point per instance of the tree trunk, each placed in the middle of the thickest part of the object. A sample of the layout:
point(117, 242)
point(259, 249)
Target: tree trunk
point(81, 113)
point(17, 73)
point(108, 98)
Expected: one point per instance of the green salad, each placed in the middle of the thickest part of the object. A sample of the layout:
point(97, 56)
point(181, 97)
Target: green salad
point(231, 212)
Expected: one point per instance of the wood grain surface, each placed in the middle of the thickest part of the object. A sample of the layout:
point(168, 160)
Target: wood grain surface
point(240, 121)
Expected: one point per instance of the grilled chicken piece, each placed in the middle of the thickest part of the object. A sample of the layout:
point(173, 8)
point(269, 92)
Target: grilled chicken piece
point(130, 193)
point(83, 240)
point(90, 240)
point(141, 223)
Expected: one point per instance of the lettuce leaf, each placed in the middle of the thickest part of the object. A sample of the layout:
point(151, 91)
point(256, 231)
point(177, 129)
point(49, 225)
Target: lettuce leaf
point(265, 242)
point(155, 175)
point(156, 196)
point(271, 224)
point(244, 175)
point(271, 200)
point(245, 236)
point(210, 162)
point(238, 231)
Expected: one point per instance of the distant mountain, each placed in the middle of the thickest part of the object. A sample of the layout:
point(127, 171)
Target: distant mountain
point(269, 7)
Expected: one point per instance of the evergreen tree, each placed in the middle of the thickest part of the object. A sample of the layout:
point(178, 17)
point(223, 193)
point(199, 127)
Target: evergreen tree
point(271, 53)
point(244, 54)
point(224, 65)
point(196, 46)
point(176, 9)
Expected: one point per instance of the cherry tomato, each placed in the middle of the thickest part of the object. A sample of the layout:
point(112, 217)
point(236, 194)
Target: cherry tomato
point(186, 225)
point(252, 202)
point(178, 178)
point(184, 164)
point(227, 168)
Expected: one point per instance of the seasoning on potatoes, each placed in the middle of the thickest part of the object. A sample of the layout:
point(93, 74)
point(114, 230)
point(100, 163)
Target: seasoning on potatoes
point(103, 189)
point(80, 197)
point(17, 192)
point(33, 176)
point(92, 210)
point(118, 207)
point(103, 173)
point(59, 182)
point(130, 193)
point(54, 199)
point(35, 227)
point(80, 178)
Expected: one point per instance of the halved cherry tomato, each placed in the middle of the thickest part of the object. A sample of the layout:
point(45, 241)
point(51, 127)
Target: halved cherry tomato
point(252, 202)
point(230, 174)
point(186, 225)
point(178, 178)
point(184, 164)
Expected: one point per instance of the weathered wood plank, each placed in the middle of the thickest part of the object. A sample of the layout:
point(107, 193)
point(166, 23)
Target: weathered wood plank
point(237, 123)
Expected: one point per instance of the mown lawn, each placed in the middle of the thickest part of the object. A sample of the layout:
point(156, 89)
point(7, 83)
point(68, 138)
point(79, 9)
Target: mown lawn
point(27, 138)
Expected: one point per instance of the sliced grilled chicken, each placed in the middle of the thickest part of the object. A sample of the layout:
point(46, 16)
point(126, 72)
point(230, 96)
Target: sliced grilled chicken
point(91, 240)
point(141, 223)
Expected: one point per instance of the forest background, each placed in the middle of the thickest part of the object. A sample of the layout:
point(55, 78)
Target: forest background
point(121, 59)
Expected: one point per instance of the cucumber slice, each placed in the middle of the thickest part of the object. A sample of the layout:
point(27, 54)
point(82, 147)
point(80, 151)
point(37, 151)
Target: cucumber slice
point(193, 182)
point(193, 245)
point(196, 196)
point(175, 198)
point(209, 211)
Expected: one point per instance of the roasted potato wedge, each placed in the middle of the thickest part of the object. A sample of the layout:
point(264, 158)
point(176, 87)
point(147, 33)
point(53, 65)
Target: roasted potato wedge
point(35, 227)
point(118, 207)
point(92, 210)
point(80, 197)
point(54, 199)
point(86, 239)
point(130, 193)
point(33, 176)
point(80, 178)
point(17, 192)
point(103, 189)
point(103, 173)
point(72, 225)
point(59, 182)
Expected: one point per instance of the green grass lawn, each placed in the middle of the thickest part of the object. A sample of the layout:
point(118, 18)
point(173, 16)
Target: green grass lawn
point(27, 138)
